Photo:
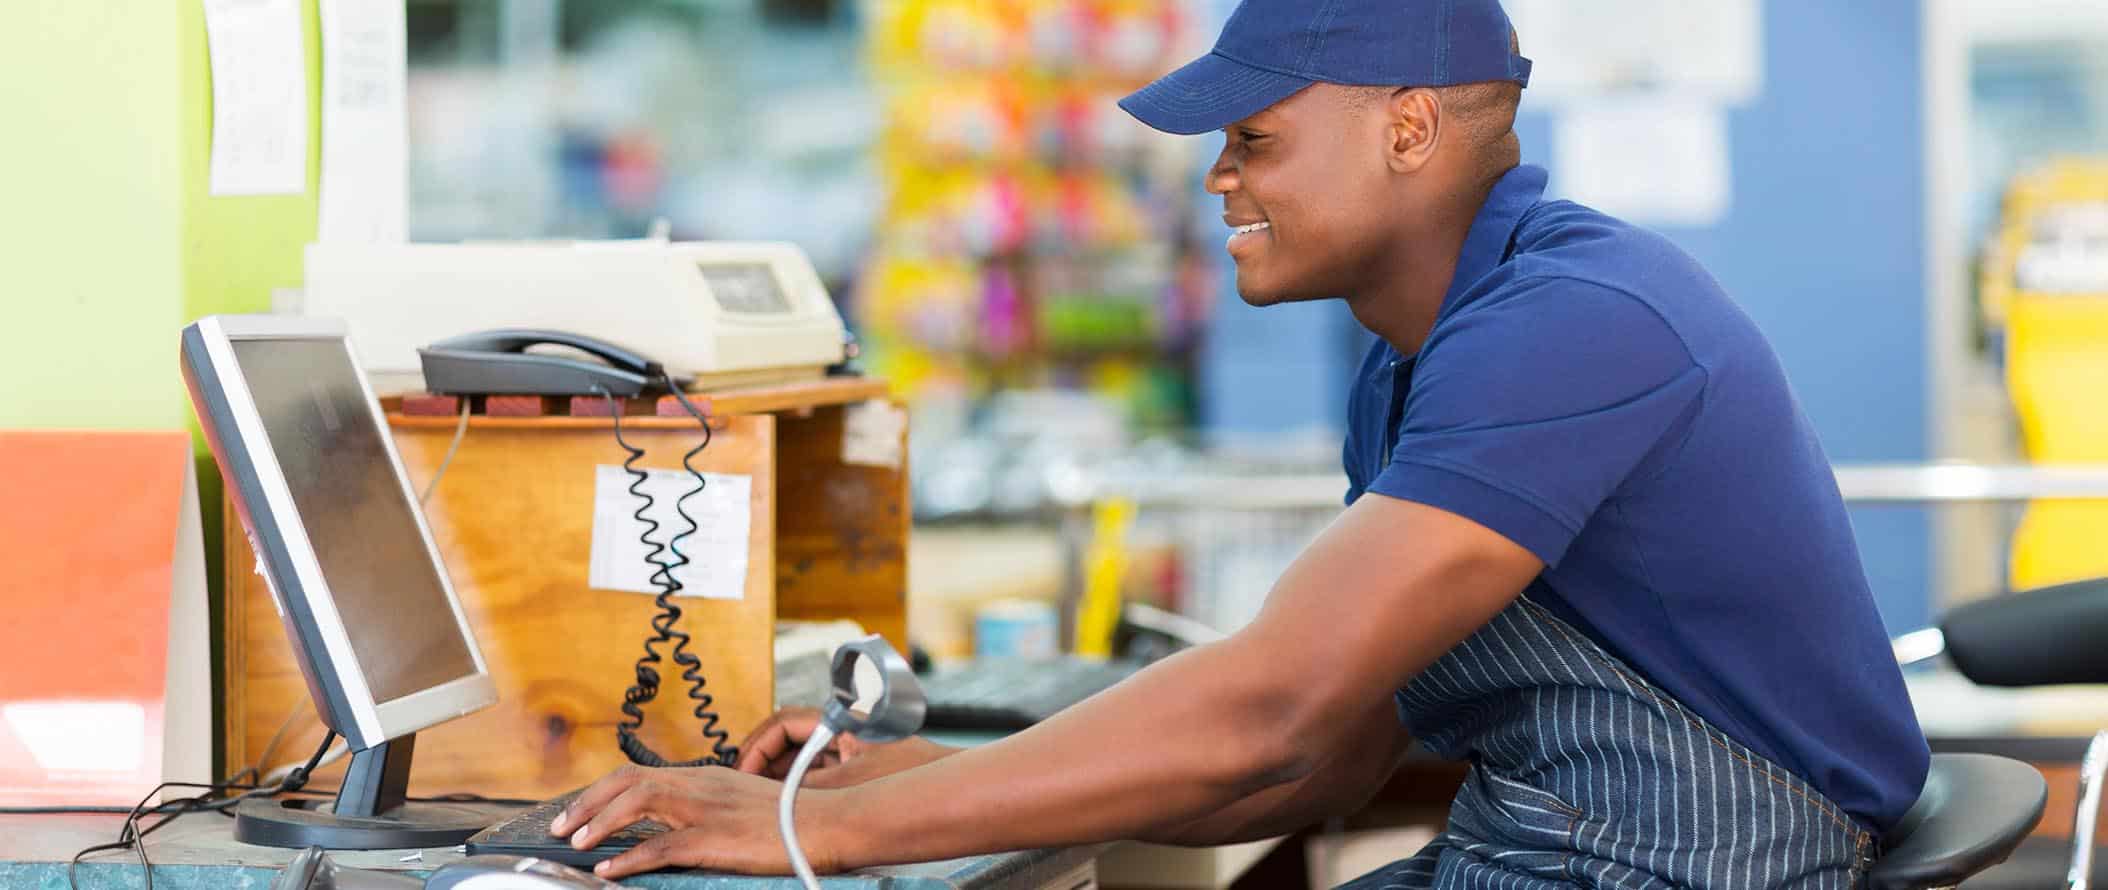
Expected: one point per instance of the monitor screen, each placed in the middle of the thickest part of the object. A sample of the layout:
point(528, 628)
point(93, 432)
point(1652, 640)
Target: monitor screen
point(383, 579)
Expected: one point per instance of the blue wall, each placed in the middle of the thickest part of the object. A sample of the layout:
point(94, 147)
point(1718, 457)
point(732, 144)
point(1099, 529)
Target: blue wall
point(1824, 246)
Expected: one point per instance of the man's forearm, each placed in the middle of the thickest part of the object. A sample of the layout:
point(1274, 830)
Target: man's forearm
point(1237, 822)
point(1180, 740)
point(1342, 784)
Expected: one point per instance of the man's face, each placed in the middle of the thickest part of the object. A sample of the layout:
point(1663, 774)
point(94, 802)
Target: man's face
point(1306, 193)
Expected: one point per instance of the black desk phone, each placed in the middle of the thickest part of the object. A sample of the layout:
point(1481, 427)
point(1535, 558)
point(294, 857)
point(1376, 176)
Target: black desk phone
point(497, 362)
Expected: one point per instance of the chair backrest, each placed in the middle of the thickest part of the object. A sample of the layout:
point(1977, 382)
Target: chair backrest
point(2039, 637)
point(1974, 810)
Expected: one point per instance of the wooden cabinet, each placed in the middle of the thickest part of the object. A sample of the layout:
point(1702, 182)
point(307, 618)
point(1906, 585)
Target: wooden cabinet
point(513, 518)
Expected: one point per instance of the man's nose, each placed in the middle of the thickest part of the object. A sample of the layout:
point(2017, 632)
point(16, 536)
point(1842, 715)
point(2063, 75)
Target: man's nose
point(1223, 177)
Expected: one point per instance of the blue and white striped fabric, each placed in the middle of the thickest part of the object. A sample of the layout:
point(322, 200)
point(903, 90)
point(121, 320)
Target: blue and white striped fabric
point(1585, 774)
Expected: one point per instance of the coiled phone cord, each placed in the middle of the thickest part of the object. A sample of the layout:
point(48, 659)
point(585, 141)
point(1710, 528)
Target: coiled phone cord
point(646, 689)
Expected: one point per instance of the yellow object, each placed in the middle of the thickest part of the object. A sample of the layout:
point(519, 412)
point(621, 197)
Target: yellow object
point(2062, 183)
point(1099, 614)
point(2056, 373)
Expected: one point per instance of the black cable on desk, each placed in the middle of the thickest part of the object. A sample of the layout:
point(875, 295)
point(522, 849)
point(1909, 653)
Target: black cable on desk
point(134, 837)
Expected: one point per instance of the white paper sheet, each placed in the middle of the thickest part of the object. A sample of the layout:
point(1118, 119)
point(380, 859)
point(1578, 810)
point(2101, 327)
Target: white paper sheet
point(365, 154)
point(873, 435)
point(1652, 161)
point(1709, 49)
point(716, 552)
point(259, 97)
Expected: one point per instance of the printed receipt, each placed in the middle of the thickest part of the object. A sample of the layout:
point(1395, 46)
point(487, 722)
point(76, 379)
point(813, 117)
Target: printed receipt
point(716, 551)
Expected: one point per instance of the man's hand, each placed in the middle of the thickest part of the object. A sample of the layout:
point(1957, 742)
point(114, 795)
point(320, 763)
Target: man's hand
point(770, 748)
point(720, 819)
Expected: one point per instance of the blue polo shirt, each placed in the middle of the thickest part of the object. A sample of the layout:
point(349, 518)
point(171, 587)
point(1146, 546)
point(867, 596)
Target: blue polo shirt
point(1591, 393)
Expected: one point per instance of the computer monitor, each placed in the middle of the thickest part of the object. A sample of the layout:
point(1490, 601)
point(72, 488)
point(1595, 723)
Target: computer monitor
point(341, 544)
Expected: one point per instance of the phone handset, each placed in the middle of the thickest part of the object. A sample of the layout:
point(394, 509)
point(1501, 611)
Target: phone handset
point(498, 362)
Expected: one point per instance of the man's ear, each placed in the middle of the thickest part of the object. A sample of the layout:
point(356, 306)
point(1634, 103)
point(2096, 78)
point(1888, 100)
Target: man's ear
point(1415, 129)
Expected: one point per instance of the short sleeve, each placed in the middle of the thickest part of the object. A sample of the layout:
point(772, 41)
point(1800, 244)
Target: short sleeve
point(1533, 407)
point(1350, 457)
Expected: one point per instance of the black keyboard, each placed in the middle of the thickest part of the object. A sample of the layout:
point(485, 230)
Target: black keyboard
point(1010, 694)
point(527, 834)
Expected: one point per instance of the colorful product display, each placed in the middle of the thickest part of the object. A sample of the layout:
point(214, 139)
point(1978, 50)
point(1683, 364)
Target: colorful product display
point(1033, 235)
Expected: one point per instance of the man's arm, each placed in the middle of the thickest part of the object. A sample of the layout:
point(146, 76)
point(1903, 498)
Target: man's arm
point(1342, 784)
point(1386, 590)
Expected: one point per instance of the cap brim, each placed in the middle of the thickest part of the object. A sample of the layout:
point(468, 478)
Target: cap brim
point(1210, 93)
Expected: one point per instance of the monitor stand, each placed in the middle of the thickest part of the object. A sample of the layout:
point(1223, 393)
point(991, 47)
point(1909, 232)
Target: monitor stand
point(369, 813)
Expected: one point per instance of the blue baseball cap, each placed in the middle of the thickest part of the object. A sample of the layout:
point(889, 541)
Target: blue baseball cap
point(1271, 49)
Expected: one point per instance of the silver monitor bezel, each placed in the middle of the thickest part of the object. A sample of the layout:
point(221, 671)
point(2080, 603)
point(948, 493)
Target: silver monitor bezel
point(372, 722)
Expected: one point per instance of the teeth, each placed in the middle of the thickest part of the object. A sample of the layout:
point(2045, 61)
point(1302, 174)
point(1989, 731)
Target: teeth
point(1254, 227)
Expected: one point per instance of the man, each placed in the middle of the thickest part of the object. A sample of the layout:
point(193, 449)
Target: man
point(1592, 544)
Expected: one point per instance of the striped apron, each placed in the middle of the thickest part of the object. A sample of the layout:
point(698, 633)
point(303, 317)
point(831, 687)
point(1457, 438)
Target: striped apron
point(1582, 773)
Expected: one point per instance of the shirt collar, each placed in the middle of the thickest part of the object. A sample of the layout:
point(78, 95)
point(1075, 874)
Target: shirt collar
point(1487, 244)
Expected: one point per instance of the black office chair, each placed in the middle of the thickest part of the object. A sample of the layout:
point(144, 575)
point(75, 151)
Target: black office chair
point(2048, 636)
point(1975, 810)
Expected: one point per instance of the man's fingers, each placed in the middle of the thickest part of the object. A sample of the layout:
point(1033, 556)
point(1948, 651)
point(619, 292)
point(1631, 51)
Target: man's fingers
point(780, 733)
point(761, 747)
point(779, 769)
point(589, 801)
point(628, 807)
point(847, 745)
point(652, 855)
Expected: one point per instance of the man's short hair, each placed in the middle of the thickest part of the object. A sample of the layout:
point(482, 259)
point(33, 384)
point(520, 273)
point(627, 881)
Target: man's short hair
point(1485, 112)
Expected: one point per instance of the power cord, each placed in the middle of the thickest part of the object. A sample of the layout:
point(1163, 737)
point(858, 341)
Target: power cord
point(460, 430)
point(132, 836)
point(339, 752)
point(646, 689)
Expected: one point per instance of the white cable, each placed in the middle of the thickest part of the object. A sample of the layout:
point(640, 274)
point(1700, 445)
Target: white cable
point(821, 735)
point(459, 430)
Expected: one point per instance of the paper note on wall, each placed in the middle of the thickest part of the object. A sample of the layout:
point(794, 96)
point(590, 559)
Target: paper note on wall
point(259, 97)
point(874, 435)
point(1712, 49)
point(716, 552)
point(365, 154)
point(1652, 161)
